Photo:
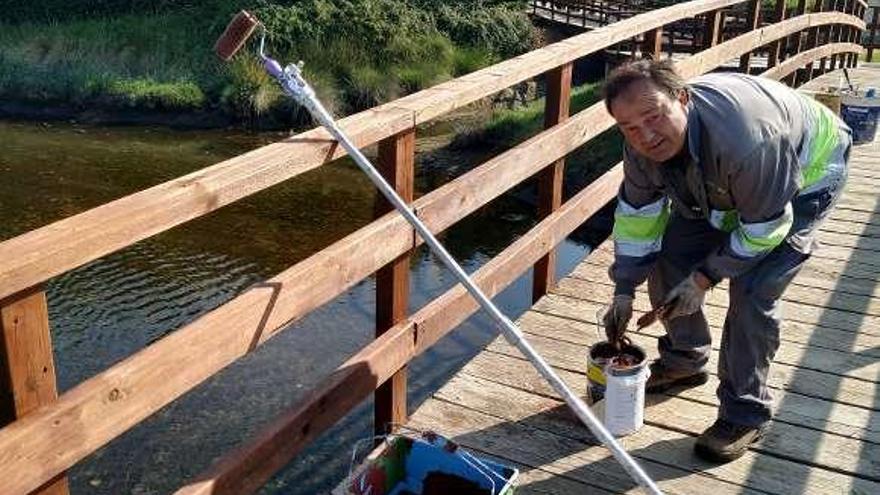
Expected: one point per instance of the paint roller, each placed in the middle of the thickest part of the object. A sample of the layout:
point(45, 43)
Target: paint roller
point(235, 35)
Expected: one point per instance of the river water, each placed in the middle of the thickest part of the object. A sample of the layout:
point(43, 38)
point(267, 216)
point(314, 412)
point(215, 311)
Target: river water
point(104, 311)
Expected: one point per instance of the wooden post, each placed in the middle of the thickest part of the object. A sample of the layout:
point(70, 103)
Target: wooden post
point(712, 29)
point(550, 179)
point(775, 47)
point(874, 19)
point(397, 164)
point(652, 46)
point(27, 367)
point(754, 17)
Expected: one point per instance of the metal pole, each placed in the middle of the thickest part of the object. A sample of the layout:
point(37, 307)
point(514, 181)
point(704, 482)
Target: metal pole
point(295, 86)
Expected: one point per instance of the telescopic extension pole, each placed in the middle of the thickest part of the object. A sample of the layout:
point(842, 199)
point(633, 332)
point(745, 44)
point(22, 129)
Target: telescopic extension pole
point(295, 86)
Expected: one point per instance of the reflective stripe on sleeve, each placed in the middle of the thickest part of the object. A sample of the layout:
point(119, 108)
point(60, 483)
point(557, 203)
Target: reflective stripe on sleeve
point(820, 144)
point(639, 231)
point(754, 239)
point(724, 220)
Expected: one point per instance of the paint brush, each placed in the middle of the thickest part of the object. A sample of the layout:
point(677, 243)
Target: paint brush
point(651, 316)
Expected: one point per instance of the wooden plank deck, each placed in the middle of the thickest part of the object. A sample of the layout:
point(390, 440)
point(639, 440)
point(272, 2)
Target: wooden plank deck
point(825, 437)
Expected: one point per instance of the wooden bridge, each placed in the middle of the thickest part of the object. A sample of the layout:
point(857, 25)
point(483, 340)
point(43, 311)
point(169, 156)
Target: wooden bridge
point(825, 438)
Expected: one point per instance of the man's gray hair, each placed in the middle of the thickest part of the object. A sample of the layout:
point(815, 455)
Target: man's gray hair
point(660, 73)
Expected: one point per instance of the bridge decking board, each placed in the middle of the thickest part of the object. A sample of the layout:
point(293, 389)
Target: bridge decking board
point(824, 438)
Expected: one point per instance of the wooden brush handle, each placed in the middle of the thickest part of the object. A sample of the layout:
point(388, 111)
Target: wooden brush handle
point(651, 316)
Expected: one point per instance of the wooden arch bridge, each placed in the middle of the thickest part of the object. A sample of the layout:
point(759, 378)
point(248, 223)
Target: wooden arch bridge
point(826, 438)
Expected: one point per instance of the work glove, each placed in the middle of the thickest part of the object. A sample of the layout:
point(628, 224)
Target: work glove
point(687, 297)
point(617, 317)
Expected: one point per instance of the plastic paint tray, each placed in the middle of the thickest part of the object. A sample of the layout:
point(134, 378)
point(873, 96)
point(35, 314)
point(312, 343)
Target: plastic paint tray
point(402, 464)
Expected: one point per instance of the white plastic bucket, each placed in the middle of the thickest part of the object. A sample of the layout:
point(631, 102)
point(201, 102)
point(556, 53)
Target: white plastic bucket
point(625, 398)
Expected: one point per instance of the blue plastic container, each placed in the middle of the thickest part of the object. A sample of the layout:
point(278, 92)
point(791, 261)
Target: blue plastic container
point(401, 465)
point(861, 114)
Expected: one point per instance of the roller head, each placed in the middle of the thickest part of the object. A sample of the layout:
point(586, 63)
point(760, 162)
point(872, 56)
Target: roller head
point(237, 33)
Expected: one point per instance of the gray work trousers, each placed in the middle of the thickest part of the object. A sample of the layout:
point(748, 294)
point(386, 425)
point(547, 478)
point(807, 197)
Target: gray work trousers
point(751, 329)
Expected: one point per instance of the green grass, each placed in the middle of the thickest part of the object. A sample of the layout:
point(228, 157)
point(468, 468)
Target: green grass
point(357, 53)
point(875, 57)
point(511, 126)
point(126, 59)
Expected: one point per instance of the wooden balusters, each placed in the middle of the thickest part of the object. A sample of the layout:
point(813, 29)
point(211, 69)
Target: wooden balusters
point(825, 34)
point(812, 42)
point(752, 20)
point(712, 29)
point(774, 54)
point(652, 45)
point(796, 43)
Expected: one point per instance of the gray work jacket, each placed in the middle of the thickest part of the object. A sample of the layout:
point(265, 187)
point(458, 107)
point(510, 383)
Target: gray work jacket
point(753, 145)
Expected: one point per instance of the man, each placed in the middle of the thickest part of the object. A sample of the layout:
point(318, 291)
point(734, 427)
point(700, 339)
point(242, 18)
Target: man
point(726, 177)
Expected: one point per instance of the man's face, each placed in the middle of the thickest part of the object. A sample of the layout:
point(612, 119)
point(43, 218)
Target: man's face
point(652, 123)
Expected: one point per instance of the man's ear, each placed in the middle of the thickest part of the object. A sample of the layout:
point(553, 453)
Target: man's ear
point(683, 97)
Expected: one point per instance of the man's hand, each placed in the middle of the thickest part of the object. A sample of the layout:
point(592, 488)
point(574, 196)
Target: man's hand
point(617, 317)
point(687, 297)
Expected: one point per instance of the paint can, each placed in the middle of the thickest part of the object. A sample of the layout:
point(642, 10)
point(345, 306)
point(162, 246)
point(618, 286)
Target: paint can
point(625, 391)
point(597, 358)
point(861, 115)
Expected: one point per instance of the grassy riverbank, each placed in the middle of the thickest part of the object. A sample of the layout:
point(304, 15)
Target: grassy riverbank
point(508, 128)
point(156, 57)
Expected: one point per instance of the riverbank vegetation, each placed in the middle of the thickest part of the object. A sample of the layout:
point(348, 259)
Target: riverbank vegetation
point(507, 128)
point(156, 56)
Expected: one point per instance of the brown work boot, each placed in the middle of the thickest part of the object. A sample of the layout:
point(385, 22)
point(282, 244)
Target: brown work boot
point(663, 378)
point(725, 441)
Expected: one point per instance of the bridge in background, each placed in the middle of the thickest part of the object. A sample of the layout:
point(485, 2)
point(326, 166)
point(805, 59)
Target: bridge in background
point(826, 370)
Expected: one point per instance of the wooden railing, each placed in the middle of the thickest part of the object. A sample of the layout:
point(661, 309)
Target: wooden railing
point(47, 435)
point(687, 35)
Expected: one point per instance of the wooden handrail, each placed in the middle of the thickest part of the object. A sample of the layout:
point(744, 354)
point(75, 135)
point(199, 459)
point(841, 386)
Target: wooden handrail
point(796, 62)
point(50, 440)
